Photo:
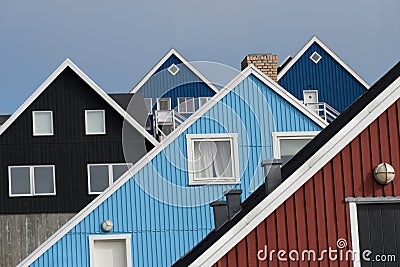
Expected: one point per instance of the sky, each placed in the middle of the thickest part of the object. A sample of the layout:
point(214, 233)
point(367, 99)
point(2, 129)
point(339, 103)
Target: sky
point(117, 42)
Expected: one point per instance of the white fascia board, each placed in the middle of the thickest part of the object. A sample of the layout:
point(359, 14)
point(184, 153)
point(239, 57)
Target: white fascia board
point(330, 52)
point(184, 61)
point(92, 84)
point(146, 159)
point(341, 139)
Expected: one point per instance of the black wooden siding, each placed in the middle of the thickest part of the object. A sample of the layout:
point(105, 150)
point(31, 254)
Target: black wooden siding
point(379, 232)
point(70, 149)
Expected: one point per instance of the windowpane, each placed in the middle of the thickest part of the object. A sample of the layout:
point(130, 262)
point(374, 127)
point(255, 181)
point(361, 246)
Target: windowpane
point(43, 180)
point(98, 178)
point(213, 159)
point(95, 122)
point(203, 100)
point(164, 104)
point(43, 124)
point(290, 147)
point(20, 180)
point(118, 170)
point(186, 104)
point(149, 105)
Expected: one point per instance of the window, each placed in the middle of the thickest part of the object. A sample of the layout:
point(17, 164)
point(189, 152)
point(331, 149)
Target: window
point(315, 57)
point(289, 143)
point(31, 180)
point(173, 69)
point(149, 105)
point(185, 104)
point(203, 100)
point(95, 122)
point(42, 123)
point(110, 250)
point(101, 176)
point(163, 103)
point(213, 158)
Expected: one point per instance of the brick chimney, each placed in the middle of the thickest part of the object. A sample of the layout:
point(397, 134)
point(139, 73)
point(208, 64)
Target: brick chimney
point(267, 63)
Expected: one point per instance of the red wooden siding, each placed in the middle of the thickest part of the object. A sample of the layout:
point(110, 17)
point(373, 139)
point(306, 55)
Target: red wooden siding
point(316, 216)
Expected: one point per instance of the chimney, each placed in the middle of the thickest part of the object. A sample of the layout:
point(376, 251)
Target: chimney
point(272, 173)
point(220, 213)
point(267, 63)
point(234, 202)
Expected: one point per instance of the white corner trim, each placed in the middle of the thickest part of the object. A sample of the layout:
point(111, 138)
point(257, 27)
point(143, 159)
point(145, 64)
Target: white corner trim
point(184, 61)
point(355, 241)
point(125, 237)
point(277, 136)
point(330, 52)
point(92, 84)
point(342, 138)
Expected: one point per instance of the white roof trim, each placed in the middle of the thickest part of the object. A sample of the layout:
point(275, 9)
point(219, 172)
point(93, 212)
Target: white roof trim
point(168, 140)
point(330, 52)
point(92, 84)
point(184, 61)
point(341, 139)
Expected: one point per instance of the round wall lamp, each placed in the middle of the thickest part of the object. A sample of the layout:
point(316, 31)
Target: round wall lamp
point(107, 225)
point(384, 173)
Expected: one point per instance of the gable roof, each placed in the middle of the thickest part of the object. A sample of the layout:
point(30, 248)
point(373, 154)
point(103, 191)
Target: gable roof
point(288, 64)
point(250, 70)
point(170, 53)
point(297, 171)
point(92, 84)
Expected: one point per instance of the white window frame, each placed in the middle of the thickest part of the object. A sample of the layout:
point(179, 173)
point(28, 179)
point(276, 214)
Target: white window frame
point(164, 99)
point(313, 60)
point(110, 173)
point(233, 138)
point(278, 136)
point(355, 234)
point(173, 66)
point(118, 237)
point(34, 122)
point(151, 104)
point(86, 121)
point(31, 181)
point(186, 105)
point(203, 97)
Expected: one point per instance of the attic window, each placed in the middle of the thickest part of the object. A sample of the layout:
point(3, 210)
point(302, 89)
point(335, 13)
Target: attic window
point(315, 57)
point(173, 69)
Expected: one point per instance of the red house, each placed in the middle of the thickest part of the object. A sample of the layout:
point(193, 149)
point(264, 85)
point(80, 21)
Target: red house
point(336, 204)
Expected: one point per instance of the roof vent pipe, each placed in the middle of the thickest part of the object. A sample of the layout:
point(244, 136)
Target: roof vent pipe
point(234, 202)
point(220, 213)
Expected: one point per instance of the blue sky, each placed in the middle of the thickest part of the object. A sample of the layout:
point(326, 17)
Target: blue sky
point(117, 42)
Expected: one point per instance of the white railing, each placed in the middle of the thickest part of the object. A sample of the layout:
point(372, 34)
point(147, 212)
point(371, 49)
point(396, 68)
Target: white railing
point(166, 119)
point(324, 110)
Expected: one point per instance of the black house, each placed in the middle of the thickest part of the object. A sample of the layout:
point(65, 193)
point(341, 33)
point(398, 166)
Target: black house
point(63, 146)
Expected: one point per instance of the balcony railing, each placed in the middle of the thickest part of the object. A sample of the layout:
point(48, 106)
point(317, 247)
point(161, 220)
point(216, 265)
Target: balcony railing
point(165, 121)
point(324, 110)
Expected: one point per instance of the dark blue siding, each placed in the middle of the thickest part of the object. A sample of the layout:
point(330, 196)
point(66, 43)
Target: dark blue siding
point(335, 85)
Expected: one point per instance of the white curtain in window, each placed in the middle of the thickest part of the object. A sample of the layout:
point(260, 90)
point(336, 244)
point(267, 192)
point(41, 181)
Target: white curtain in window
point(223, 159)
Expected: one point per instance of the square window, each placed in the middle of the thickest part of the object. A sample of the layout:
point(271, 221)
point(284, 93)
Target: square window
point(95, 122)
point(173, 69)
point(163, 103)
point(213, 158)
point(185, 104)
point(42, 123)
point(31, 180)
point(101, 176)
point(287, 144)
point(203, 100)
point(315, 57)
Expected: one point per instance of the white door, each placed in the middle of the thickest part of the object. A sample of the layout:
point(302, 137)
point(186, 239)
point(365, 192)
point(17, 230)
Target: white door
point(311, 98)
point(109, 253)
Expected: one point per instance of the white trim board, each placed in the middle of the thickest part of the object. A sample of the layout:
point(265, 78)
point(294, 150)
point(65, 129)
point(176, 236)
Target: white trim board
point(168, 140)
point(298, 178)
point(313, 40)
point(92, 84)
point(171, 52)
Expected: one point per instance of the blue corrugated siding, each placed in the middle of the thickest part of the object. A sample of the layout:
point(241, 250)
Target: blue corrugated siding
point(184, 84)
point(161, 232)
point(335, 85)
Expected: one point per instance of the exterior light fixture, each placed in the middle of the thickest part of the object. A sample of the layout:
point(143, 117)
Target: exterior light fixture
point(384, 173)
point(107, 225)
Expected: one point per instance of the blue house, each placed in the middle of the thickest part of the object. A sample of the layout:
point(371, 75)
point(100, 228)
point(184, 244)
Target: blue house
point(173, 90)
point(321, 79)
point(159, 209)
